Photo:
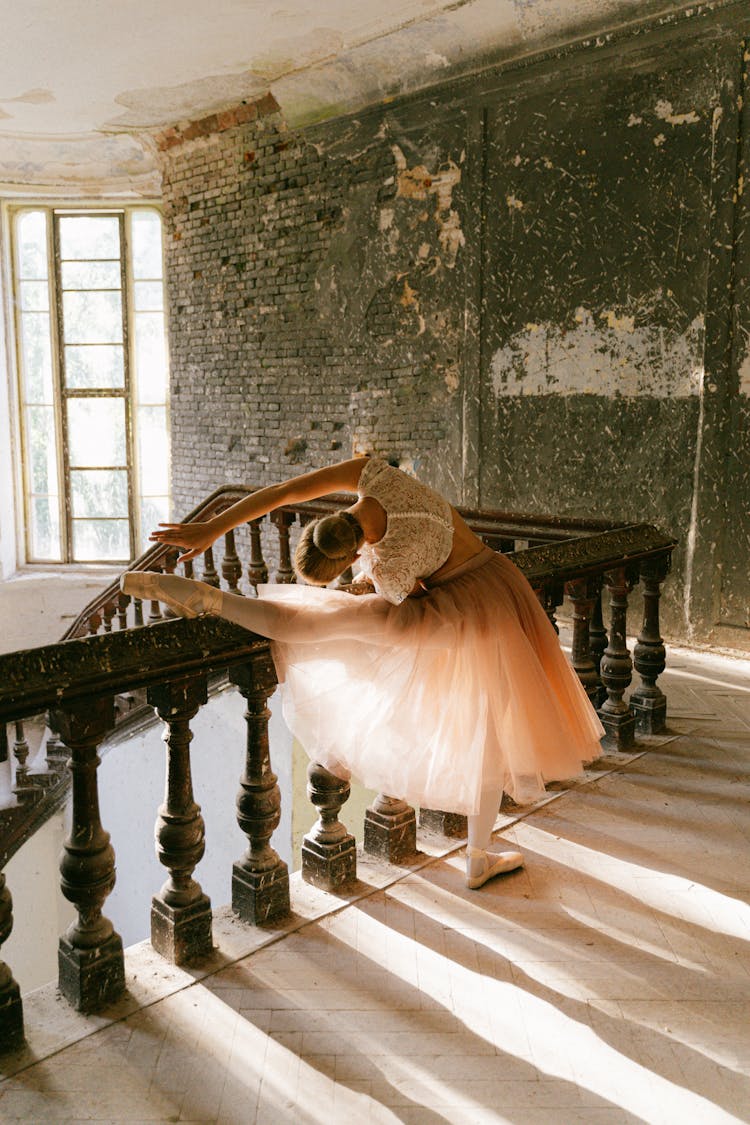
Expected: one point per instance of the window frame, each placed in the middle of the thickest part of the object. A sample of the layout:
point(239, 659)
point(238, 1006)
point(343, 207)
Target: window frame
point(55, 209)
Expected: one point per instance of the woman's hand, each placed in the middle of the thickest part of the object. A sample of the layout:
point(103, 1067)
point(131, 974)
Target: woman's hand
point(193, 538)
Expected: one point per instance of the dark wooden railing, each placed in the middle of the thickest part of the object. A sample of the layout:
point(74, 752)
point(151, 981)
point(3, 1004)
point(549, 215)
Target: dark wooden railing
point(77, 682)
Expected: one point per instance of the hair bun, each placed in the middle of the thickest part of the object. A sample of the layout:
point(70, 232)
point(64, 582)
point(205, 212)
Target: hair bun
point(335, 536)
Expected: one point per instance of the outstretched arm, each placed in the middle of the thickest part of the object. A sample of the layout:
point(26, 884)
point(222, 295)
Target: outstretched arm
point(195, 538)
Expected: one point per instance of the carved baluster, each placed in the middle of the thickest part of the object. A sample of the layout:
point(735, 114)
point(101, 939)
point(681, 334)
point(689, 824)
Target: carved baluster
point(108, 613)
point(616, 666)
point(210, 575)
point(329, 854)
point(648, 701)
point(445, 823)
point(260, 880)
point(597, 633)
point(137, 612)
point(231, 568)
point(122, 611)
point(93, 623)
point(21, 753)
point(583, 592)
point(187, 569)
point(283, 521)
point(181, 912)
point(11, 1008)
point(391, 829)
point(257, 571)
point(56, 752)
point(90, 957)
point(551, 596)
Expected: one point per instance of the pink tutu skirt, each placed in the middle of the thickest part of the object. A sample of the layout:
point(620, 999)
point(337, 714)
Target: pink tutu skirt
point(437, 698)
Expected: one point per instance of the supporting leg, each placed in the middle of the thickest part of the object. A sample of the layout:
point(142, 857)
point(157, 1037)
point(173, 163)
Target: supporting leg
point(482, 864)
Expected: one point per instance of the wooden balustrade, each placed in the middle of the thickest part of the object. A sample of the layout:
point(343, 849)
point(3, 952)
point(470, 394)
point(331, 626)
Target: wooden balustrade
point(77, 682)
point(271, 540)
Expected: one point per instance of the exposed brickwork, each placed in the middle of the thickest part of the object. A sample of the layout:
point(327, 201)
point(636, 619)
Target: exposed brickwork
point(293, 338)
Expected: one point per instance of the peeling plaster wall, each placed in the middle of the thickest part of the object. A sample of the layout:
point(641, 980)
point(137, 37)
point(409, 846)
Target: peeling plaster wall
point(521, 286)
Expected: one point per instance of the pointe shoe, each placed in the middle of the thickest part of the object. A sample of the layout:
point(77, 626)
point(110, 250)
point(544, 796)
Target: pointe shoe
point(183, 595)
point(495, 863)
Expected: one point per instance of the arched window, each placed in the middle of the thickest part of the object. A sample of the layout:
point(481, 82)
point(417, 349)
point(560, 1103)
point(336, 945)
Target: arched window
point(92, 380)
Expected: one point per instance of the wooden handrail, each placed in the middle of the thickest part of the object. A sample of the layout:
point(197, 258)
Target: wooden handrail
point(497, 528)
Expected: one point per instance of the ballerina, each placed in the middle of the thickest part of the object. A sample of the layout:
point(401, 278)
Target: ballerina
point(444, 687)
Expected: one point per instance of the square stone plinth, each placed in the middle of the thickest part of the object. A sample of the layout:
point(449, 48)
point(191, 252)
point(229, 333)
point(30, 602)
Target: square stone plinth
point(260, 896)
point(329, 866)
point(89, 979)
point(182, 933)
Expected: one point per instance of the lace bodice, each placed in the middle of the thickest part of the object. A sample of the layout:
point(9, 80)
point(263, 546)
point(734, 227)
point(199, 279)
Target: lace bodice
point(419, 533)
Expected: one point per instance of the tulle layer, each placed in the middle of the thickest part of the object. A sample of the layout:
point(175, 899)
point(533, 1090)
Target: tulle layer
point(433, 699)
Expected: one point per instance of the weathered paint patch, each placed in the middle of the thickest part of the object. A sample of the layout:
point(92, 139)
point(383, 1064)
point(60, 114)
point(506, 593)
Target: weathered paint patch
point(601, 354)
point(418, 183)
point(744, 375)
point(665, 111)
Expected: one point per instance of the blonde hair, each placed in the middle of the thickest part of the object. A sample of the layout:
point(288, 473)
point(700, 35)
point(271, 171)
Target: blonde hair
point(327, 547)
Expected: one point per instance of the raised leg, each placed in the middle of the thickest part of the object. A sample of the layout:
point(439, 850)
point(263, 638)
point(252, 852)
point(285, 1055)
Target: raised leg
point(90, 957)
point(260, 880)
point(180, 913)
point(648, 701)
point(391, 829)
point(329, 854)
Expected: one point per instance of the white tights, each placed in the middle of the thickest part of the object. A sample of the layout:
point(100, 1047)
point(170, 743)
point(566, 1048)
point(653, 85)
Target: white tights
point(482, 823)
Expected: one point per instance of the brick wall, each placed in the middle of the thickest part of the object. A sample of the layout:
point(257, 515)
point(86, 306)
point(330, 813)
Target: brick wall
point(299, 283)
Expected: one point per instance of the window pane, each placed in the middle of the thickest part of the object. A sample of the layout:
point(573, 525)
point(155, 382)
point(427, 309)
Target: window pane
point(99, 492)
point(101, 539)
point(145, 240)
point(41, 449)
point(154, 510)
point(96, 432)
point(149, 295)
point(153, 450)
point(150, 357)
point(36, 357)
point(94, 366)
point(34, 296)
point(45, 528)
point(89, 236)
point(91, 275)
point(32, 244)
point(92, 318)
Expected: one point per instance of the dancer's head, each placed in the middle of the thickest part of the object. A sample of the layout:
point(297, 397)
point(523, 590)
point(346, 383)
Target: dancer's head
point(327, 547)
